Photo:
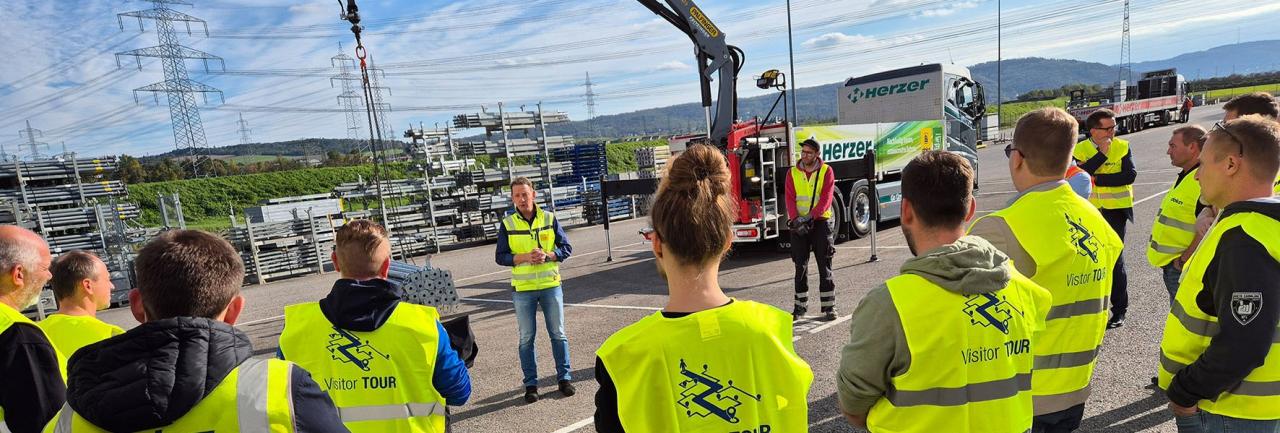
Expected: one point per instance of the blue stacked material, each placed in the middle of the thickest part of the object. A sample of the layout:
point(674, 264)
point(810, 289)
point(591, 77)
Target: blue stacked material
point(588, 160)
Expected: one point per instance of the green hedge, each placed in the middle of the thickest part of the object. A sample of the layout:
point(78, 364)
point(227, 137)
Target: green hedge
point(205, 201)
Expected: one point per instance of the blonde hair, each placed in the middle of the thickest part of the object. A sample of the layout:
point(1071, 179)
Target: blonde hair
point(359, 247)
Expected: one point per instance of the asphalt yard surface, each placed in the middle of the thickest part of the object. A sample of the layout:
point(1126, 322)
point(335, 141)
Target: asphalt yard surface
point(603, 296)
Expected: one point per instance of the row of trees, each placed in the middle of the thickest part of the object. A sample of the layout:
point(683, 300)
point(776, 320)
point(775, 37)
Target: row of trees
point(1044, 94)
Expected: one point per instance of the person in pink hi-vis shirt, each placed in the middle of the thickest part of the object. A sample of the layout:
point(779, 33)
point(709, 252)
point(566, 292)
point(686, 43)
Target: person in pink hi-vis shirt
point(810, 187)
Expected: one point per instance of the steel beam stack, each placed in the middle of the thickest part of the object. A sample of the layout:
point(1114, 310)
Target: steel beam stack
point(425, 285)
point(72, 204)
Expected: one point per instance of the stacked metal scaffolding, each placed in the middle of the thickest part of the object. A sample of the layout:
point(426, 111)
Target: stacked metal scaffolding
point(284, 249)
point(70, 204)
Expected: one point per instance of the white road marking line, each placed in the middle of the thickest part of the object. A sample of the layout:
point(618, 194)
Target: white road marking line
point(615, 307)
point(576, 425)
point(255, 322)
point(1150, 197)
point(824, 326)
point(867, 247)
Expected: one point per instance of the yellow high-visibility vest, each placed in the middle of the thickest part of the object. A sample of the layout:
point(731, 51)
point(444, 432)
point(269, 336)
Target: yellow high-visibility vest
point(254, 397)
point(379, 380)
point(1188, 330)
point(523, 238)
point(1107, 197)
point(804, 185)
point(1175, 225)
point(731, 368)
point(70, 333)
point(1074, 250)
point(988, 389)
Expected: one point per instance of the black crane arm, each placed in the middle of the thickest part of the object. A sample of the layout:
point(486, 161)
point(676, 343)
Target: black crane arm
point(714, 57)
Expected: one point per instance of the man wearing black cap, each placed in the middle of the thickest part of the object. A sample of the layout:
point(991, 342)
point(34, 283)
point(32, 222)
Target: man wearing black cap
point(810, 187)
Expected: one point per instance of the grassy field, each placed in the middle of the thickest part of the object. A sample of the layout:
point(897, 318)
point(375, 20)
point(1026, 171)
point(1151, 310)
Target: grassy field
point(1011, 111)
point(1224, 94)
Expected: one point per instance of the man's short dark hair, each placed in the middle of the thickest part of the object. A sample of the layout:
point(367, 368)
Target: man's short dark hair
point(1253, 103)
point(69, 270)
point(521, 181)
point(939, 185)
point(1045, 138)
point(811, 143)
point(1095, 118)
point(1258, 138)
point(187, 273)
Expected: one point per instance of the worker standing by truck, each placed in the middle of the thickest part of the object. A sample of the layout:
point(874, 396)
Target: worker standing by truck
point(810, 188)
point(1110, 162)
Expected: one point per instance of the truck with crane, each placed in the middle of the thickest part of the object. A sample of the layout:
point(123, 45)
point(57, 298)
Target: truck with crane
point(896, 114)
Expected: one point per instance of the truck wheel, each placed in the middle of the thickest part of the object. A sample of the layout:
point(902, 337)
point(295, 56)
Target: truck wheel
point(836, 223)
point(860, 211)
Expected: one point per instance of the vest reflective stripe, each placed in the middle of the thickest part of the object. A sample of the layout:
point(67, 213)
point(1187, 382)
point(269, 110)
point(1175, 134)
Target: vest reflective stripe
point(939, 392)
point(1066, 360)
point(389, 412)
point(1107, 197)
point(381, 381)
point(1188, 330)
point(971, 393)
point(1175, 225)
point(1078, 308)
point(731, 368)
point(1074, 251)
point(523, 238)
point(803, 186)
point(255, 397)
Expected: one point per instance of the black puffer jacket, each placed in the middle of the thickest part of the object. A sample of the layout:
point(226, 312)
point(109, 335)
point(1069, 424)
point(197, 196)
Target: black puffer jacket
point(154, 374)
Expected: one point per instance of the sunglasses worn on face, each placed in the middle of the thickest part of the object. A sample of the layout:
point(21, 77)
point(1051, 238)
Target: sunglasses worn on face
point(1009, 149)
point(1107, 129)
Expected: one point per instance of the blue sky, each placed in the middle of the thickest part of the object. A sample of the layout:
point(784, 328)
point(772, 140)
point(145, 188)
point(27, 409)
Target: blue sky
point(446, 58)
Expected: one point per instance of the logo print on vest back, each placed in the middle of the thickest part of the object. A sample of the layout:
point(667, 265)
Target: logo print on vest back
point(1086, 244)
point(347, 348)
point(989, 311)
point(1245, 306)
point(702, 394)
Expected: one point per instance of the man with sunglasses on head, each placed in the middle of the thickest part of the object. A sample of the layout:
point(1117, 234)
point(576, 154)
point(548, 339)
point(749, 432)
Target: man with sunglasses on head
point(1110, 162)
point(1218, 361)
point(810, 188)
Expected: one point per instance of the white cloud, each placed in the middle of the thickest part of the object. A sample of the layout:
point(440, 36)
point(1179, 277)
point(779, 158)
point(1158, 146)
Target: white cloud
point(836, 39)
point(947, 10)
point(673, 65)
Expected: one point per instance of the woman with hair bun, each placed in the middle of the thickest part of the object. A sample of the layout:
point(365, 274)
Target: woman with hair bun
point(706, 362)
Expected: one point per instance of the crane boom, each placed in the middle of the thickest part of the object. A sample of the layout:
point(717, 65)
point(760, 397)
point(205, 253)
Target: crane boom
point(714, 56)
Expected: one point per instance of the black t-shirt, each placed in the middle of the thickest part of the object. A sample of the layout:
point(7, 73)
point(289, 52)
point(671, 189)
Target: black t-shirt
point(31, 386)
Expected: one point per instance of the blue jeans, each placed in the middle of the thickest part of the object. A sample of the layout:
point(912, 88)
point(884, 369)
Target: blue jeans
point(552, 303)
point(1205, 422)
point(1171, 276)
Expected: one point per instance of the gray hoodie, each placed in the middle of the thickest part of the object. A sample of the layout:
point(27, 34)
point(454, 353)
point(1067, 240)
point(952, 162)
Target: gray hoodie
point(877, 348)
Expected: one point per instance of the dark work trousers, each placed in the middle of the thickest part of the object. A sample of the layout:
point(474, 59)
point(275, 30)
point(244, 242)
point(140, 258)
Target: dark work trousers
point(1117, 218)
point(822, 244)
point(1062, 421)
